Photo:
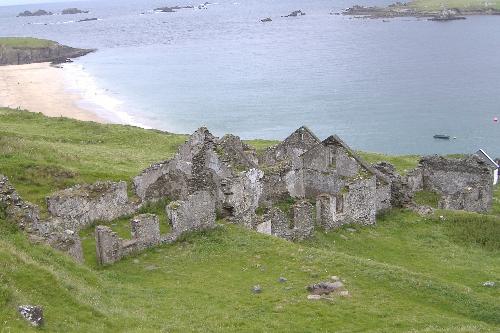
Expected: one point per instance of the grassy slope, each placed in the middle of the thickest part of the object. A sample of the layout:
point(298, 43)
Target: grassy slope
point(405, 274)
point(461, 4)
point(25, 42)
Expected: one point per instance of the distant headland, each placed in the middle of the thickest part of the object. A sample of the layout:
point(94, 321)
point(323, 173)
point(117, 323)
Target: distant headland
point(433, 10)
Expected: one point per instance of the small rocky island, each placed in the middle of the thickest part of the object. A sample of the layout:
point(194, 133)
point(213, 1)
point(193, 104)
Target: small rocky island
point(400, 9)
point(172, 9)
point(39, 12)
point(15, 51)
point(72, 11)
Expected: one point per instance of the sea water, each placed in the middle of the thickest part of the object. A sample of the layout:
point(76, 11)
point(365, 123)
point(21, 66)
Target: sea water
point(382, 86)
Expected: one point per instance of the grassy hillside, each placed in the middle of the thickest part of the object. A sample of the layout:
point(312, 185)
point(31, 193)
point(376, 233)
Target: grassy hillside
point(25, 42)
point(461, 4)
point(407, 274)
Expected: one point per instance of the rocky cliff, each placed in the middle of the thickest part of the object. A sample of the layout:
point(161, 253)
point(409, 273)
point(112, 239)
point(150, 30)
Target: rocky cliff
point(54, 52)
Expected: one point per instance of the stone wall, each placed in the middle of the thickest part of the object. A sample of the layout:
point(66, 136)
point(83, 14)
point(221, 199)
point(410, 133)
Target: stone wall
point(145, 228)
point(197, 212)
point(291, 148)
point(463, 183)
point(326, 211)
point(26, 216)
point(299, 225)
point(242, 195)
point(358, 202)
point(110, 248)
point(81, 205)
point(303, 220)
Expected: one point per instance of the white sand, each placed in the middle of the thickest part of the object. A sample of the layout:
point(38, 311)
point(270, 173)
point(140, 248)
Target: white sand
point(40, 88)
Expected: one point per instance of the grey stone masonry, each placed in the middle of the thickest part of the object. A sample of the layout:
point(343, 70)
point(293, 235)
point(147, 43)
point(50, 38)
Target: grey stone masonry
point(242, 195)
point(81, 205)
point(291, 148)
point(145, 229)
point(303, 220)
point(463, 183)
point(12, 206)
point(275, 222)
point(197, 212)
point(108, 245)
point(26, 216)
point(326, 205)
point(298, 226)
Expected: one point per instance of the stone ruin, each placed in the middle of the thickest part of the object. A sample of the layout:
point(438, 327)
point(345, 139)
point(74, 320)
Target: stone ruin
point(287, 191)
point(462, 183)
point(197, 212)
point(81, 205)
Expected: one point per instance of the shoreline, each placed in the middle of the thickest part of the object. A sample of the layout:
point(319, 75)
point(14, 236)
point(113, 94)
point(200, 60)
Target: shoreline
point(43, 88)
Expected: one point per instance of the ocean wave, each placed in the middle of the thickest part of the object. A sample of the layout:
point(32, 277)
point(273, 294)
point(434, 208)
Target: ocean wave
point(95, 98)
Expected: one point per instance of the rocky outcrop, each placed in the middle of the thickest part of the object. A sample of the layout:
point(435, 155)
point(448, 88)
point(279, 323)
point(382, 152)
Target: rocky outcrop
point(267, 19)
point(89, 19)
point(82, 205)
point(448, 15)
point(33, 314)
point(39, 12)
point(53, 52)
point(295, 13)
point(172, 9)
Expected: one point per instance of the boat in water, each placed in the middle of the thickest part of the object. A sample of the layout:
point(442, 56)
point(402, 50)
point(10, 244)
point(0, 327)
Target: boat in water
point(442, 137)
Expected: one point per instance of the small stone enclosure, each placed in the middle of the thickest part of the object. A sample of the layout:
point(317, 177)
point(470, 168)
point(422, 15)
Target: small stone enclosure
point(287, 191)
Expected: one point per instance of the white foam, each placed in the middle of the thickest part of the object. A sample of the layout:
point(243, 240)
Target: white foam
point(95, 98)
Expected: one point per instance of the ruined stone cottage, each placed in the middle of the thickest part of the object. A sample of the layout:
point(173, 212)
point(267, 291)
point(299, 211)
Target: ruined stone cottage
point(463, 183)
point(287, 191)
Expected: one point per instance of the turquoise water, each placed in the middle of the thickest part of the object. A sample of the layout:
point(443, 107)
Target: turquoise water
point(386, 87)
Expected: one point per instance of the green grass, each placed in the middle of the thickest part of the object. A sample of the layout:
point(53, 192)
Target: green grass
point(25, 42)
point(402, 164)
point(41, 155)
point(406, 274)
point(427, 198)
point(261, 145)
point(461, 4)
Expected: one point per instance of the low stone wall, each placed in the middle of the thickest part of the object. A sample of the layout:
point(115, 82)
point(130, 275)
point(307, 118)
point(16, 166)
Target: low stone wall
point(298, 226)
point(145, 231)
point(26, 216)
point(81, 205)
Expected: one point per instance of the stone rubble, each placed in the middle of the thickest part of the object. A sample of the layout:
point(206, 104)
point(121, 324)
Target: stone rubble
point(32, 313)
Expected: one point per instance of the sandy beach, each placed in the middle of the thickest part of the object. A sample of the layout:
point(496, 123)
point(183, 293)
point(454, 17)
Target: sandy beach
point(41, 88)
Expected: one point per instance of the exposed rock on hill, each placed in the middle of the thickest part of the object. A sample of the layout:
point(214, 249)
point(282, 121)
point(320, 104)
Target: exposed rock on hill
point(53, 52)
